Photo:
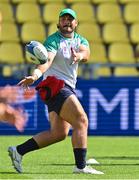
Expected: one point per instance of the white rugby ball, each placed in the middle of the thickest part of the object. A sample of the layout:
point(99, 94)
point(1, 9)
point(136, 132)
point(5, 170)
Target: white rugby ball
point(36, 52)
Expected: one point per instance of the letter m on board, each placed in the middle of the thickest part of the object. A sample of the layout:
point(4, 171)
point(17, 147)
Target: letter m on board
point(95, 97)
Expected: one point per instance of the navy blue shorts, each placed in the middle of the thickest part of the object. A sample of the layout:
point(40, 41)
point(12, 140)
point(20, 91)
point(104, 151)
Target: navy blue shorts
point(55, 103)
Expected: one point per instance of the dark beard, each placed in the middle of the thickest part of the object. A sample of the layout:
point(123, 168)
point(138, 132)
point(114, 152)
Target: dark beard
point(65, 32)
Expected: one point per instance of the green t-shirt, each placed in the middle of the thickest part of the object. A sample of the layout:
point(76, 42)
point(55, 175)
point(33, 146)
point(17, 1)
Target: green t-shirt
point(61, 47)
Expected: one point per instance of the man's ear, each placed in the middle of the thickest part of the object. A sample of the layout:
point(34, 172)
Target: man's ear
point(76, 24)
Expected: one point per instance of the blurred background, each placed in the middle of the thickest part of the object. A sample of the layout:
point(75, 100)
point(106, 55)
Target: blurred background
point(108, 83)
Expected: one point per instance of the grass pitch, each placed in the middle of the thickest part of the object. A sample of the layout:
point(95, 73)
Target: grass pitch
point(118, 157)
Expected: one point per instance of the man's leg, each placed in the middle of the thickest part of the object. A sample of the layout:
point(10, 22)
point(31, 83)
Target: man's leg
point(58, 132)
point(73, 113)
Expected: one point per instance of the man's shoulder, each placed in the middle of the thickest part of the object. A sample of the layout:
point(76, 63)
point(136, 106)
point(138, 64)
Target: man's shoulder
point(53, 37)
point(83, 40)
point(76, 35)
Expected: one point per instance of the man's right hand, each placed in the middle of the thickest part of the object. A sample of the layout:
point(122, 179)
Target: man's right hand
point(26, 82)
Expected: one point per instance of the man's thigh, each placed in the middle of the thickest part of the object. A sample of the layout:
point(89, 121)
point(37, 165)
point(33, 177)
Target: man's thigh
point(72, 110)
point(57, 123)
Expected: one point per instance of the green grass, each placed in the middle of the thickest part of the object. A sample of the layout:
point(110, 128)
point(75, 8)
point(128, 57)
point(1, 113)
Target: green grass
point(119, 158)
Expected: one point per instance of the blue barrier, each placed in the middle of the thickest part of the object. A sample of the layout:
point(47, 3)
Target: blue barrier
point(112, 105)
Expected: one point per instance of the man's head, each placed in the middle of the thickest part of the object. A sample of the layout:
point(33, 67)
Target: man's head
point(67, 21)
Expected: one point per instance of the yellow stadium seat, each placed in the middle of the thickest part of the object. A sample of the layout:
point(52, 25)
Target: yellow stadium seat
point(51, 12)
point(20, 1)
point(137, 53)
point(0, 17)
point(9, 32)
point(109, 12)
point(7, 12)
point(126, 71)
point(131, 13)
point(103, 72)
point(121, 53)
point(4, 1)
point(50, 1)
point(127, 1)
point(11, 53)
point(52, 28)
point(103, 1)
point(85, 12)
point(134, 33)
point(33, 31)
point(91, 31)
point(7, 71)
point(115, 32)
point(76, 1)
point(28, 12)
point(97, 53)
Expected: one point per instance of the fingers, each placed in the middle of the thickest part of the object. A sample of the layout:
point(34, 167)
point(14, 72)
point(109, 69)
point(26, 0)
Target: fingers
point(26, 82)
point(21, 82)
point(74, 56)
point(73, 52)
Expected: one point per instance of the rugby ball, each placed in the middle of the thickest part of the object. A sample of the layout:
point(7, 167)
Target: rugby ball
point(36, 52)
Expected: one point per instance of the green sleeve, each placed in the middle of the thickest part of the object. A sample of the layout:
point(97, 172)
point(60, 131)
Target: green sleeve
point(84, 42)
point(51, 44)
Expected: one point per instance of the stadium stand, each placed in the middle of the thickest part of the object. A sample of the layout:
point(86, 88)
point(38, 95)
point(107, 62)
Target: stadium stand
point(115, 32)
point(51, 11)
point(85, 12)
point(103, 1)
point(52, 28)
point(9, 32)
point(121, 53)
point(98, 53)
point(0, 17)
point(29, 31)
point(76, 1)
point(28, 12)
point(108, 12)
point(20, 1)
point(5, 1)
point(7, 12)
point(86, 30)
point(102, 72)
point(137, 53)
point(125, 71)
point(131, 13)
point(127, 1)
point(49, 1)
point(134, 33)
point(111, 27)
point(14, 55)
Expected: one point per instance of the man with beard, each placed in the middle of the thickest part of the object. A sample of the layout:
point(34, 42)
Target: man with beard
point(65, 49)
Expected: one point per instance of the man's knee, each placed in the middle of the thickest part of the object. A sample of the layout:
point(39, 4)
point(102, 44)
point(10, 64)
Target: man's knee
point(60, 135)
point(82, 121)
